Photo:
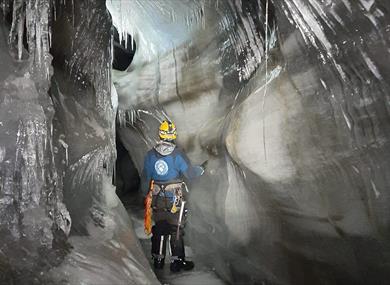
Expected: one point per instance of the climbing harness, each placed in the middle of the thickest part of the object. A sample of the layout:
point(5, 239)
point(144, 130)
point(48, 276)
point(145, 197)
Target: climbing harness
point(164, 197)
point(167, 196)
point(179, 222)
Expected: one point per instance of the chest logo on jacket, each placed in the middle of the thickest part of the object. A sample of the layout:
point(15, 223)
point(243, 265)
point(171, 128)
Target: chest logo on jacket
point(161, 167)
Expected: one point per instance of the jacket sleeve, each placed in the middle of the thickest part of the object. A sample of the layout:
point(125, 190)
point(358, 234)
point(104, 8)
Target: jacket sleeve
point(186, 168)
point(146, 176)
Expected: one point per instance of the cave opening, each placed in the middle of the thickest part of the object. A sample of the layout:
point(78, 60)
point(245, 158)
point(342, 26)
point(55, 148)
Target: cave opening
point(124, 50)
point(126, 177)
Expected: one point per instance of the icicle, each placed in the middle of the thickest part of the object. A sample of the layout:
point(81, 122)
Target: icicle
point(20, 36)
point(55, 12)
point(65, 146)
point(73, 13)
point(38, 35)
point(266, 76)
point(203, 15)
point(50, 37)
point(17, 26)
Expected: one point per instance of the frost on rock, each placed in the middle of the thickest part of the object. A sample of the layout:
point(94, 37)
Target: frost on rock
point(30, 19)
point(179, 23)
point(31, 188)
point(59, 210)
point(289, 102)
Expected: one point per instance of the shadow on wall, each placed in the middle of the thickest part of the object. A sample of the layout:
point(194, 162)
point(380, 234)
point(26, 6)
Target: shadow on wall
point(126, 178)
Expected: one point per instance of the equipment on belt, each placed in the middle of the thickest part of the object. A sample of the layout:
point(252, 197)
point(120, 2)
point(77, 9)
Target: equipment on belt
point(180, 219)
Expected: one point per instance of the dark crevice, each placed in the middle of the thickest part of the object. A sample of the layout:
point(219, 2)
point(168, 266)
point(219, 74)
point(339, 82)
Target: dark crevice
point(123, 51)
point(126, 178)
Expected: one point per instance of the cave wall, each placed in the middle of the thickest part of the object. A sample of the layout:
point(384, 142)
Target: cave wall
point(288, 100)
point(102, 233)
point(296, 189)
point(62, 222)
point(34, 218)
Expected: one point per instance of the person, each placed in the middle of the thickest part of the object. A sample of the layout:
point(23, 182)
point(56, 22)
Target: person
point(165, 167)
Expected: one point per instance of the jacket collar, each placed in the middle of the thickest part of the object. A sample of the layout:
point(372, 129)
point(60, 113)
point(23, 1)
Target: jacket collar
point(165, 148)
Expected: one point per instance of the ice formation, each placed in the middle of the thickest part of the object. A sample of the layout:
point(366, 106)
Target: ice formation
point(289, 103)
point(61, 220)
point(288, 100)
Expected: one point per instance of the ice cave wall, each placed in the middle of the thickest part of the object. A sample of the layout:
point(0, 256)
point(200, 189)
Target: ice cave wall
point(61, 220)
point(33, 215)
point(297, 186)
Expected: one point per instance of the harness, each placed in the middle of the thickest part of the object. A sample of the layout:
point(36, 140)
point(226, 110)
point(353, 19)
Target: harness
point(168, 196)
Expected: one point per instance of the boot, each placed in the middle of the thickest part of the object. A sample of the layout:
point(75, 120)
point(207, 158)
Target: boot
point(158, 263)
point(179, 264)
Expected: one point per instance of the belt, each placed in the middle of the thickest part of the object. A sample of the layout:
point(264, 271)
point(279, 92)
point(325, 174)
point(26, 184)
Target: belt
point(166, 183)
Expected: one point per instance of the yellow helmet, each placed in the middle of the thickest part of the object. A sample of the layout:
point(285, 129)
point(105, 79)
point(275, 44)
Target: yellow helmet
point(167, 131)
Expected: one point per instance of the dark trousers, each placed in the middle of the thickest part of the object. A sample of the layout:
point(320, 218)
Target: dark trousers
point(163, 232)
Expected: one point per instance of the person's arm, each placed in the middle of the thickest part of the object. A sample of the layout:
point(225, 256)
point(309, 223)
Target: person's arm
point(145, 177)
point(186, 168)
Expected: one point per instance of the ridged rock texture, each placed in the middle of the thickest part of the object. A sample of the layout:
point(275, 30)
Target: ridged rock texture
point(289, 102)
point(61, 220)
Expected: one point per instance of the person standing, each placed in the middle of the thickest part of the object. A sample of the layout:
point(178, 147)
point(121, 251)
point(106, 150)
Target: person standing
point(165, 167)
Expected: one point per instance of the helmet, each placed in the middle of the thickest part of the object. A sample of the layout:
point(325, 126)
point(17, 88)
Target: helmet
point(167, 131)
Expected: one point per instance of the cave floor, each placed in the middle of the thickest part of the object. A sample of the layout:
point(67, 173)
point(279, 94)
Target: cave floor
point(201, 273)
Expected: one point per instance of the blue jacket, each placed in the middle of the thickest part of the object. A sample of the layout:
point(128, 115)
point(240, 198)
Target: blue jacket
point(169, 166)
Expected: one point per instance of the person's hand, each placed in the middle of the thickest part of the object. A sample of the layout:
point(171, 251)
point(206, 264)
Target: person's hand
point(204, 164)
point(202, 167)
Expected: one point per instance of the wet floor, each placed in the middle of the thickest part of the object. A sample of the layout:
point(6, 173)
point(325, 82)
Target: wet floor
point(200, 275)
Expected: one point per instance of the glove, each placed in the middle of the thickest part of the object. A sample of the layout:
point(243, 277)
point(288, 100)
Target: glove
point(204, 164)
point(202, 167)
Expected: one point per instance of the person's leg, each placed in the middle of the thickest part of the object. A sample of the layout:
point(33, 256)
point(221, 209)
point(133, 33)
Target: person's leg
point(178, 260)
point(159, 242)
point(177, 243)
